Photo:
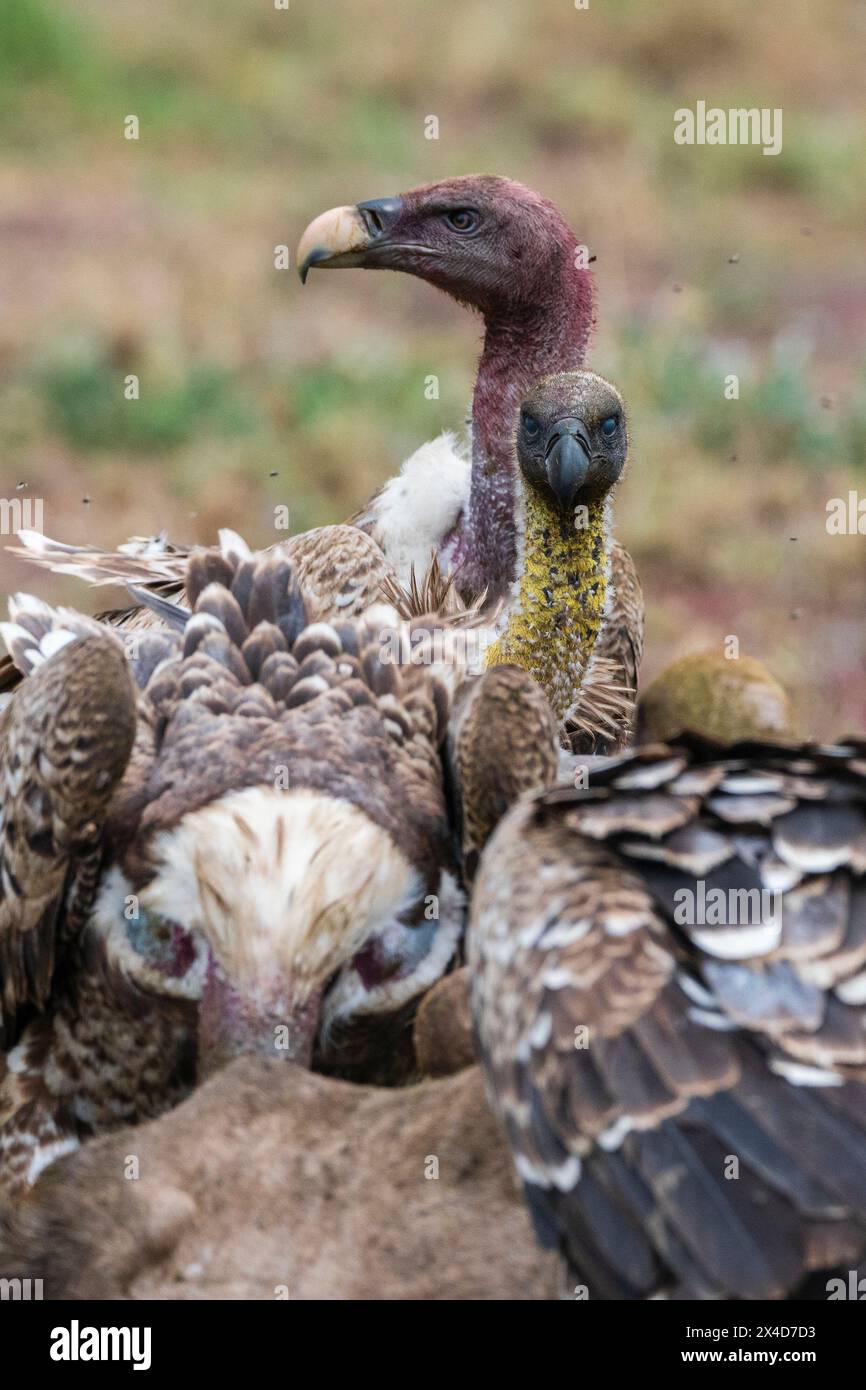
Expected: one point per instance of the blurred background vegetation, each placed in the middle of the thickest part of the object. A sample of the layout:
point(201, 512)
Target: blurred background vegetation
point(156, 257)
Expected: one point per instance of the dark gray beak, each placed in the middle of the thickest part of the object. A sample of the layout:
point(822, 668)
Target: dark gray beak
point(566, 460)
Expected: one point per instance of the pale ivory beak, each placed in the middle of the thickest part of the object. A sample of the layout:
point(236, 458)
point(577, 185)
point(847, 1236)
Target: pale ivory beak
point(333, 235)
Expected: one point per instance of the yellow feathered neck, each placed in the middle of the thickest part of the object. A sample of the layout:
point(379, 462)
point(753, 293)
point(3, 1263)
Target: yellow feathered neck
point(556, 614)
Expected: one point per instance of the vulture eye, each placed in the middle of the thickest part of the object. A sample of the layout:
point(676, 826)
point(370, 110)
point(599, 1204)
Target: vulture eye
point(609, 425)
point(531, 427)
point(462, 220)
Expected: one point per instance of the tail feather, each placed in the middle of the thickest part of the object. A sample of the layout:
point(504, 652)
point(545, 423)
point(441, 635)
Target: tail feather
point(143, 561)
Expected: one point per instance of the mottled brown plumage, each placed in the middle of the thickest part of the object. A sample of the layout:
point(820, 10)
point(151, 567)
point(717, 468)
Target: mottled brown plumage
point(502, 742)
point(340, 569)
point(680, 1068)
point(56, 782)
point(619, 648)
point(271, 861)
point(604, 705)
point(67, 738)
point(252, 722)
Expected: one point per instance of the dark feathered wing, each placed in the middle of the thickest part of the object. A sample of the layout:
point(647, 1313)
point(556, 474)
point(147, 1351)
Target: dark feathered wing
point(685, 1099)
point(66, 739)
point(622, 637)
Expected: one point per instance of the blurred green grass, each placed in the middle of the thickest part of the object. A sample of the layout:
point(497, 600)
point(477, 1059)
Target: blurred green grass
point(156, 257)
point(89, 408)
point(85, 403)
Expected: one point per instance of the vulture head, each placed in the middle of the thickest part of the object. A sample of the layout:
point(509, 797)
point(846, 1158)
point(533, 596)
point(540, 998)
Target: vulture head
point(310, 914)
point(278, 849)
point(572, 440)
point(487, 241)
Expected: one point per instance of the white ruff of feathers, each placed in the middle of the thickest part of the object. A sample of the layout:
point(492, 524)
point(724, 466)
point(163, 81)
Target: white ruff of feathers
point(287, 886)
point(414, 511)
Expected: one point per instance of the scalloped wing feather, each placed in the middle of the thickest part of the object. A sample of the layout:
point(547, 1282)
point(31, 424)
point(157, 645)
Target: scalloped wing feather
point(67, 736)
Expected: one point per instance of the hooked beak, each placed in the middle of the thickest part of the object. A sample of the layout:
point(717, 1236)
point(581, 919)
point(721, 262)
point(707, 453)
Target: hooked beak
point(231, 1023)
point(566, 460)
point(345, 236)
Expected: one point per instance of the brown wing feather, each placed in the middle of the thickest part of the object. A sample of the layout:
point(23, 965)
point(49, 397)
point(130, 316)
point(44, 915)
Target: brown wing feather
point(622, 637)
point(153, 561)
point(66, 738)
point(256, 685)
point(340, 569)
point(633, 1056)
point(502, 742)
point(617, 657)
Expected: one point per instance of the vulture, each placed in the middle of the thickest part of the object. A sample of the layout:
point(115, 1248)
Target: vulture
point(231, 835)
point(709, 693)
point(506, 252)
point(669, 990)
point(571, 447)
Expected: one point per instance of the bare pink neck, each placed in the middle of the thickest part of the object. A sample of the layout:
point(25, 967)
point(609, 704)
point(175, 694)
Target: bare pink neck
point(519, 349)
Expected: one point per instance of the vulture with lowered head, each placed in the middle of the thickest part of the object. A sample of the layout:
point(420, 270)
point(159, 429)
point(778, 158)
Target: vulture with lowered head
point(240, 840)
point(669, 991)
